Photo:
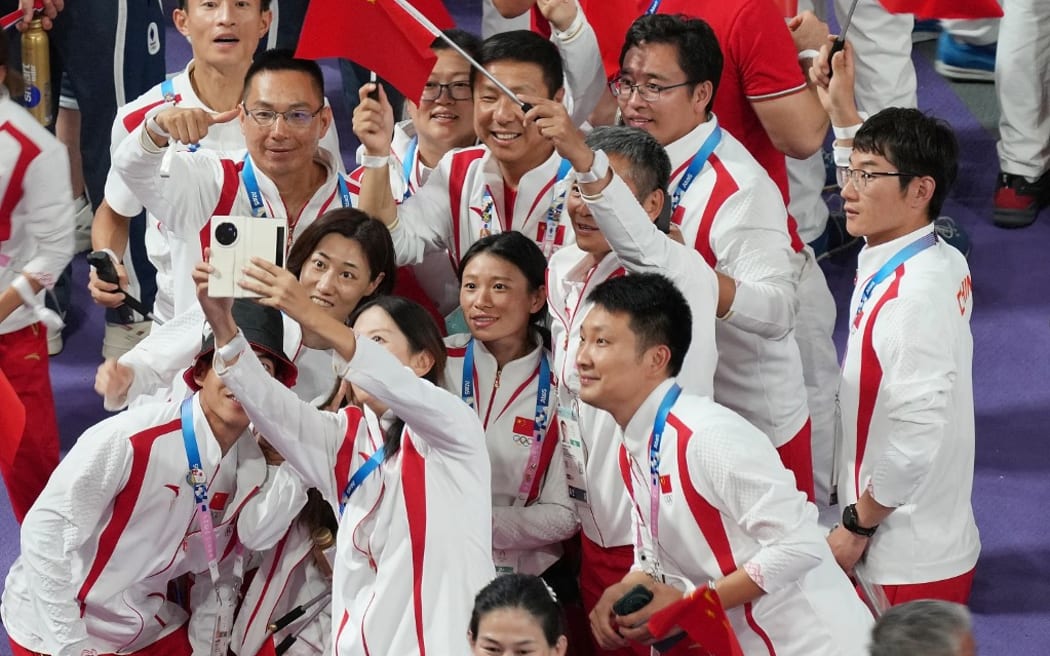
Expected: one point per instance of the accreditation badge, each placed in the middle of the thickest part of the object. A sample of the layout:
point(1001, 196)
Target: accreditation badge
point(574, 452)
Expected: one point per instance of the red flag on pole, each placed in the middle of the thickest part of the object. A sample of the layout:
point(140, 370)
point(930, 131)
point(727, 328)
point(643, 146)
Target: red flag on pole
point(12, 420)
point(945, 8)
point(703, 619)
point(377, 34)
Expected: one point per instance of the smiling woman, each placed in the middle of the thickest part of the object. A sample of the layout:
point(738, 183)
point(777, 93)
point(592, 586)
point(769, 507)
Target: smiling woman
point(502, 370)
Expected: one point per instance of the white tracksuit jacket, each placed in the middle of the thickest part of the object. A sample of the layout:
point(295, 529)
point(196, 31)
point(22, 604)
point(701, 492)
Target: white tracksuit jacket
point(117, 522)
point(907, 413)
point(415, 542)
point(35, 201)
point(734, 215)
point(638, 247)
point(175, 292)
point(726, 502)
point(526, 533)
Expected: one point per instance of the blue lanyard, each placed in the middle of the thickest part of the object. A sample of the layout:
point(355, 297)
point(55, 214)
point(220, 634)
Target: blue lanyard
point(540, 419)
point(167, 89)
point(199, 481)
point(467, 389)
point(360, 475)
point(696, 165)
point(408, 166)
point(550, 231)
point(255, 197)
point(653, 7)
point(902, 256)
point(654, 461)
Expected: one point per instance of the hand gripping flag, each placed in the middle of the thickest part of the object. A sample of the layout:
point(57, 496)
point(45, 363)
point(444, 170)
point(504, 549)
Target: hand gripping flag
point(377, 34)
point(701, 616)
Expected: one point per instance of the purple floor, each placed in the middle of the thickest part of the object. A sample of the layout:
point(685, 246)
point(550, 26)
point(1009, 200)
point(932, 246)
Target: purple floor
point(1011, 327)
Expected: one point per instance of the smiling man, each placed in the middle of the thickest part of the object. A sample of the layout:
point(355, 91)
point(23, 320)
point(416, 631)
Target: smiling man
point(286, 173)
point(223, 36)
point(515, 181)
point(120, 517)
point(712, 505)
point(732, 213)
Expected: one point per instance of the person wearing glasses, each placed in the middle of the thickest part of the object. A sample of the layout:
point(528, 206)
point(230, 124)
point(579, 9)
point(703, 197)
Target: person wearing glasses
point(442, 120)
point(906, 393)
point(515, 181)
point(729, 209)
point(285, 172)
point(223, 37)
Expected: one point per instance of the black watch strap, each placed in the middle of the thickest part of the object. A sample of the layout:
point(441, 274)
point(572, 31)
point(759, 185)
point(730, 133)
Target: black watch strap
point(852, 524)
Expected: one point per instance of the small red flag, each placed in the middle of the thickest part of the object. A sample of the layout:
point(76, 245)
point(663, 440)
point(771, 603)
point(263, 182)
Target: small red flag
point(945, 8)
point(523, 426)
point(377, 34)
point(701, 616)
point(12, 420)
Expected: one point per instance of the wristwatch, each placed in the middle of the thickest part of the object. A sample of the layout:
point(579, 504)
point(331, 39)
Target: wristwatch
point(852, 524)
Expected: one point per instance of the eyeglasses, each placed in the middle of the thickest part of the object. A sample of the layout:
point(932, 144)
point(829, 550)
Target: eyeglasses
point(649, 92)
point(860, 179)
point(456, 90)
point(296, 118)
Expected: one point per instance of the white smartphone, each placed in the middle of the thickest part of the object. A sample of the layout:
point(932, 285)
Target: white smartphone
point(235, 240)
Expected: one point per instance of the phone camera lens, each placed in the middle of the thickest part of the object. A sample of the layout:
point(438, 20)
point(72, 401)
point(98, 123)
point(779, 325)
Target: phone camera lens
point(226, 233)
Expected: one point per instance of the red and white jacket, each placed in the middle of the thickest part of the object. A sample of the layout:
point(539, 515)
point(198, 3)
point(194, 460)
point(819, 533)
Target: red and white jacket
point(526, 533)
point(906, 399)
point(415, 541)
point(36, 205)
point(638, 246)
point(734, 216)
point(175, 293)
point(727, 503)
point(205, 183)
point(117, 522)
point(446, 213)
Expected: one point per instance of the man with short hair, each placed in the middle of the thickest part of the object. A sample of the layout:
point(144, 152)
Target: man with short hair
point(613, 216)
point(731, 212)
point(223, 37)
point(712, 504)
point(123, 516)
point(907, 451)
point(285, 173)
point(515, 181)
point(926, 626)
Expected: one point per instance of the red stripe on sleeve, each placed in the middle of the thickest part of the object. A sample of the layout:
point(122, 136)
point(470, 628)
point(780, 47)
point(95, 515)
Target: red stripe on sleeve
point(124, 503)
point(725, 186)
point(457, 175)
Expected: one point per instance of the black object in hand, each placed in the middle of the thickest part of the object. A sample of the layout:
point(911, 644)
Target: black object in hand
point(108, 273)
point(636, 599)
point(837, 46)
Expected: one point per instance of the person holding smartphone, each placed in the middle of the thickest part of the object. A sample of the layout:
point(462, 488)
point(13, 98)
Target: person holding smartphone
point(407, 473)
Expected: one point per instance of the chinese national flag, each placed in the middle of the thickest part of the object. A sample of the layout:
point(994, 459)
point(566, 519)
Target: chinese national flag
point(945, 8)
point(377, 34)
point(703, 619)
point(12, 420)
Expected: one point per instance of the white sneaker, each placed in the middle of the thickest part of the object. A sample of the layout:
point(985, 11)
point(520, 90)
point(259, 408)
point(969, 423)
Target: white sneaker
point(122, 337)
point(82, 225)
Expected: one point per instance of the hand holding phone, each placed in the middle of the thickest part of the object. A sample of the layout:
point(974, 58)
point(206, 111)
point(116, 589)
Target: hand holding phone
point(636, 599)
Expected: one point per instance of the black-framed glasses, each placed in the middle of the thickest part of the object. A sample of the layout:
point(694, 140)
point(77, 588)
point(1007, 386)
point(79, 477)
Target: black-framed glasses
point(456, 91)
point(296, 118)
point(649, 92)
point(861, 178)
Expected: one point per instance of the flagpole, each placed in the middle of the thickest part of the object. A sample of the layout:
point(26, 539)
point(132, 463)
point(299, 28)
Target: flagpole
point(425, 22)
